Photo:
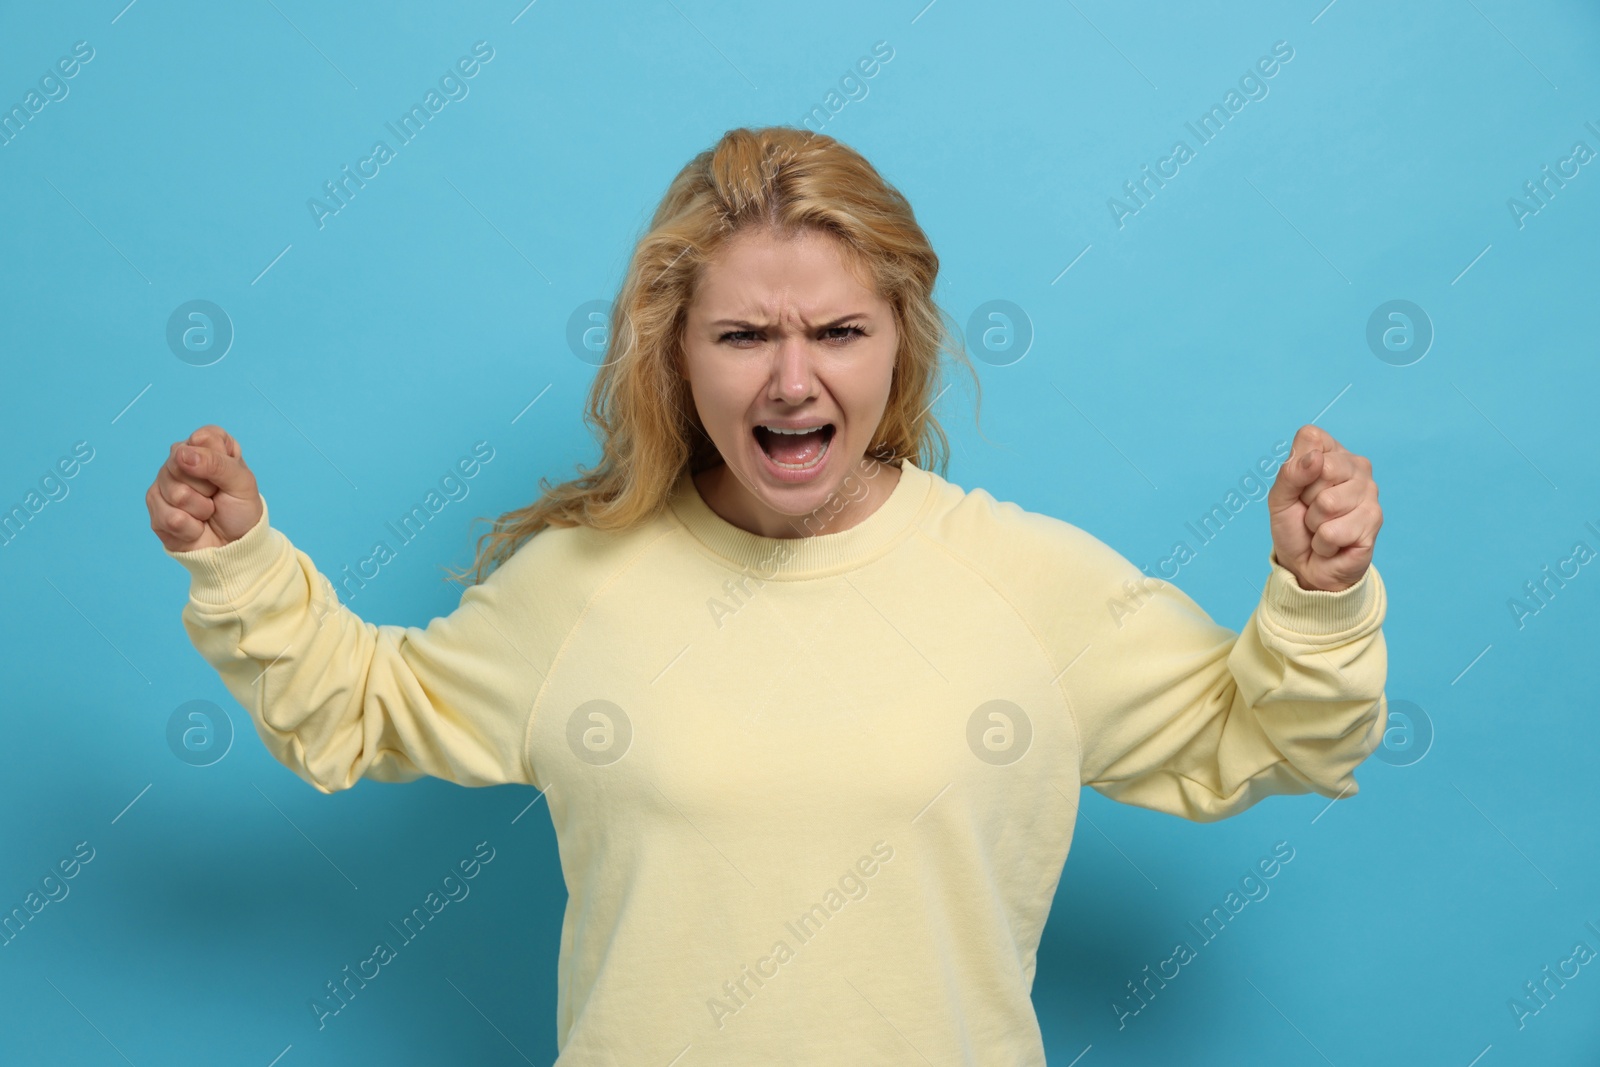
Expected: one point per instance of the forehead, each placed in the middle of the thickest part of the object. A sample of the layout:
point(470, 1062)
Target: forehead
point(759, 272)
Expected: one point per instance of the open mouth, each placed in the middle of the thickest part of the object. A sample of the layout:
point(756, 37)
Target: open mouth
point(795, 449)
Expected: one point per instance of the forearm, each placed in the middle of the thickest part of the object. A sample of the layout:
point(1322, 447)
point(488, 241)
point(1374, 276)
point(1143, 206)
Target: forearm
point(335, 698)
point(294, 657)
point(1292, 704)
point(1313, 665)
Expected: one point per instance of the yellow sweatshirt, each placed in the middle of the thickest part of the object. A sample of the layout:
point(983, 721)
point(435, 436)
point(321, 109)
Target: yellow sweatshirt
point(812, 796)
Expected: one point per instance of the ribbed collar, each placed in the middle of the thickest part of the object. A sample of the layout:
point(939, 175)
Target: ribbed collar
point(812, 556)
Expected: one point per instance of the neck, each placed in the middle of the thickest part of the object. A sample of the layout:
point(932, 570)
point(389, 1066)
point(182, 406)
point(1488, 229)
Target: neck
point(862, 490)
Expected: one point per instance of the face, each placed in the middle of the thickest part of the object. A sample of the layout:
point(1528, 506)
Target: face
point(781, 335)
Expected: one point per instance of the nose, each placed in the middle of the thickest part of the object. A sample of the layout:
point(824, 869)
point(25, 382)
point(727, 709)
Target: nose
point(793, 379)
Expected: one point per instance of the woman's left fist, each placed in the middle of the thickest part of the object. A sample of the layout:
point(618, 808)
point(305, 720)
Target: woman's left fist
point(1325, 513)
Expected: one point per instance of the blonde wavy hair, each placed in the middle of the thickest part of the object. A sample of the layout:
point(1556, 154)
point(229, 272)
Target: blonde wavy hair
point(779, 177)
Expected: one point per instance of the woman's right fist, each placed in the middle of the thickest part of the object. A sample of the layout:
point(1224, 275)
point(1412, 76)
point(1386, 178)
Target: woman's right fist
point(203, 496)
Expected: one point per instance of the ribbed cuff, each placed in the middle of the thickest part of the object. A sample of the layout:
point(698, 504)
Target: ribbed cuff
point(1316, 612)
point(224, 574)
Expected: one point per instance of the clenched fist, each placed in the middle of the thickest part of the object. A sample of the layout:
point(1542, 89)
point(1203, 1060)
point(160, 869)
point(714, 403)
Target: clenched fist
point(203, 496)
point(1325, 513)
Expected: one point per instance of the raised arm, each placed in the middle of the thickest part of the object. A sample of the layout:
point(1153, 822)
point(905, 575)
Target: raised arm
point(335, 698)
point(1183, 716)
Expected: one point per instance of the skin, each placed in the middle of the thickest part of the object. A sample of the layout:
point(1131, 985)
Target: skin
point(203, 496)
point(1324, 512)
point(767, 338)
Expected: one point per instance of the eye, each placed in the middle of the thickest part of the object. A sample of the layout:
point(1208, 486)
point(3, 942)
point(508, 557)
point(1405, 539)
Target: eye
point(741, 338)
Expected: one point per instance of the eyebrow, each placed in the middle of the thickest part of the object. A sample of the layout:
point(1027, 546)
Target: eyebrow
point(748, 325)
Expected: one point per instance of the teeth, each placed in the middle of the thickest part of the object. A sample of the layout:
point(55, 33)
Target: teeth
point(808, 429)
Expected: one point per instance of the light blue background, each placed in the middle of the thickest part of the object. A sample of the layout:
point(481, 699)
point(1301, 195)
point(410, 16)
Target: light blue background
point(428, 314)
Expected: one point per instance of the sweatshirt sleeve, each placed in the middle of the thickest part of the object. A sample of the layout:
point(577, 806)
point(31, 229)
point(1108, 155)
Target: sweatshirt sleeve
point(336, 699)
point(1179, 714)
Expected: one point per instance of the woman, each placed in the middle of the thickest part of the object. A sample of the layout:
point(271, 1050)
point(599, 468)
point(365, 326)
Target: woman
point(811, 720)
